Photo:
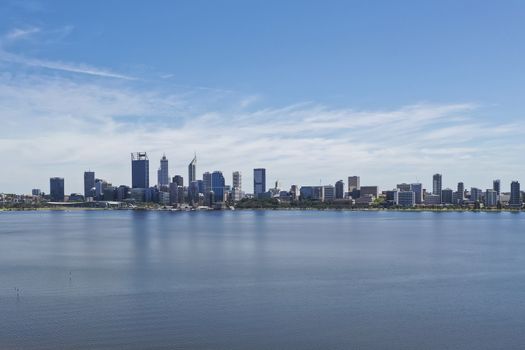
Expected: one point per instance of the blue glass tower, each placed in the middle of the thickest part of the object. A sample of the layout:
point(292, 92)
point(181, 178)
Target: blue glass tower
point(139, 170)
point(217, 185)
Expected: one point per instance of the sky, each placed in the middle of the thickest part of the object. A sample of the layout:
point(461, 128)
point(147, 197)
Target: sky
point(313, 91)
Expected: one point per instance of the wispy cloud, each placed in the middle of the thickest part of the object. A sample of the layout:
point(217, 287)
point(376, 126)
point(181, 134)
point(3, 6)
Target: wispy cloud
point(19, 33)
point(60, 126)
point(62, 66)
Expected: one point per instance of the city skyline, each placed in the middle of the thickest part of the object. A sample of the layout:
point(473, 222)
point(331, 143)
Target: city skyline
point(75, 94)
point(216, 181)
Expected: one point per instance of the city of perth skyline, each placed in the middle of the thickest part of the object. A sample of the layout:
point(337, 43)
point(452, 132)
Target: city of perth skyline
point(317, 104)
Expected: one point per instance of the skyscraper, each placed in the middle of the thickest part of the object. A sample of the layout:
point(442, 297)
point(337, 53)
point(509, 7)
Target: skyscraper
point(139, 170)
point(491, 198)
point(56, 189)
point(89, 183)
point(496, 186)
point(237, 180)
point(179, 180)
point(339, 189)
point(515, 195)
point(192, 170)
point(437, 185)
point(206, 179)
point(163, 178)
point(259, 182)
point(217, 185)
point(417, 188)
point(460, 196)
point(354, 183)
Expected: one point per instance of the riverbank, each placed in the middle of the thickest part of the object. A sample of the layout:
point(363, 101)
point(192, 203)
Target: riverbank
point(408, 210)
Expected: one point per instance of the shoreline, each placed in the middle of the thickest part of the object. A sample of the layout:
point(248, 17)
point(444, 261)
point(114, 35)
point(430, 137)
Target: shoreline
point(412, 210)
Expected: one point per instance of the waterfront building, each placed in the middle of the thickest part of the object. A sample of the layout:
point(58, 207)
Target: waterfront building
point(447, 196)
point(56, 189)
point(259, 182)
point(75, 197)
point(89, 184)
point(354, 183)
point(163, 178)
point(294, 192)
point(139, 170)
point(515, 195)
point(109, 193)
point(403, 187)
point(174, 193)
point(339, 189)
point(100, 186)
point(237, 194)
point(496, 186)
point(432, 199)
point(237, 180)
point(460, 194)
point(179, 180)
point(406, 198)
point(192, 169)
point(417, 188)
point(328, 194)
point(122, 193)
point(369, 190)
point(476, 195)
point(437, 185)
point(138, 194)
point(164, 198)
point(36, 192)
point(193, 192)
point(306, 192)
point(217, 185)
point(491, 198)
point(206, 179)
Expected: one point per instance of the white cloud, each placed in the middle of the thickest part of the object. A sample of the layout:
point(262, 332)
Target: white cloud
point(60, 126)
point(18, 33)
point(61, 66)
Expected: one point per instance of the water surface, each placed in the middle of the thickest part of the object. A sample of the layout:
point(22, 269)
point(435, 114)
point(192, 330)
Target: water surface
point(261, 280)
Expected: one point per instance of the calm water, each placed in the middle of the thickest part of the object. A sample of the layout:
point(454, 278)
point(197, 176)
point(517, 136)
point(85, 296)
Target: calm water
point(262, 280)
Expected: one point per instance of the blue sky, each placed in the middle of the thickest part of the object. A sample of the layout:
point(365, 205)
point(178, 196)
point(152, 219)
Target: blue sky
point(312, 90)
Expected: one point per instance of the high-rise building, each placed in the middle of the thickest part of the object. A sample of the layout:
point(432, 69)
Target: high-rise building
point(369, 191)
point(179, 180)
point(339, 189)
point(491, 198)
point(403, 187)
point(405, 198)
point(259, 182)
point(437, 184)
point(89, 184)
point(417, 188)
point(236, 191)
point(206, 179)
point(354, 183)
point(460, 194)
point(56, 189)
point(447, 196)
point(36, 192)
point(163, 178)
point(217, 185)
point(237, 180)
point(496, 186)
point(475, 194)
point(139, 170)
point(515, 195)
point(328, 194)
point(192, 169)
